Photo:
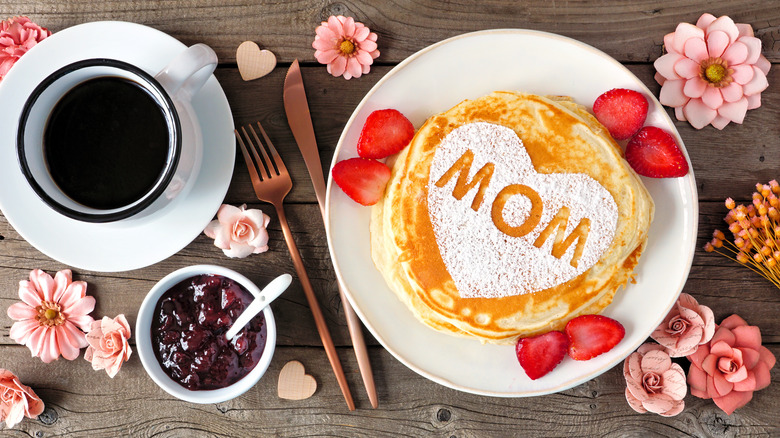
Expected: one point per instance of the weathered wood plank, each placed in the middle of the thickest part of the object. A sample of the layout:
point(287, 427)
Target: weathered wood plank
point(628, 31)
point(83, 402)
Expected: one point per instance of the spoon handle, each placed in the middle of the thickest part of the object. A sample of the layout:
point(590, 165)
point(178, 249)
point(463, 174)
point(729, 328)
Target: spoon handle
point(268, 294)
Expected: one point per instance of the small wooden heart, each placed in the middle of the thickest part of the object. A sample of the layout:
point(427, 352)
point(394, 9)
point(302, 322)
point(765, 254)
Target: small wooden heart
point(294, 383)
point(252, 62)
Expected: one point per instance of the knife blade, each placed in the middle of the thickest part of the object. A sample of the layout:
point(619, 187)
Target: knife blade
point(296, 106)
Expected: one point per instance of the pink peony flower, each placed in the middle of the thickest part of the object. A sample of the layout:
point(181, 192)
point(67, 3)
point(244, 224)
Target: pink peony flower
point(17, 36)
point(238, 231)
point(731, 366)
point(346, 46)
point(653, 382)
point(713, 72)
point(687, 326)
point(51, 314)
point(16, 400)
point(108, 348)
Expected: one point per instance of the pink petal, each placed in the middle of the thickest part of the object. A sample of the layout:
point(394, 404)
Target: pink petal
point(678, 407)
point(361, 33)
point(723, 334)
point(767, 357)
point(709, 320)
point(674, 382)
point(62, 280)
point(733, 401)
point(717, 42)
point(367, 45)
point(743, 74)
point(335, 25)
point(698, 114)
point(754, 48)
point(349, 27)
point(705, 20)
point(364, 58)
point(692, 316)
point(748, 336)
point(29, 294)
point(354, 68)
point(73, 294)
point(710, 364)
point(44, 283)
point(665, 65)
point(734, 111)
point(712, 97)
point(659, 403)
point(36, 339)
point(763, 64)
point(238, 250)
point(733, 321)
point(697, 380)
point(81, 321)
point(745, 30)
point(687, 68)
point(696, 49)
point(746, 384)
point(738, 376)
point(750, 357)
point(699, 355)
point(49, 350)
point(720, 122)
point(672, 93)
point(720, 385)
point(634, 403)
point(689, 341)
point(656, 362)
point(679, 114)
point(720, 348)
point(82, 307)
point(323, 44)
point(754, 101)
point(633, 366)
point(733, 92)
point(669, 43)
point(725, 24)
point(684, 33)
point(21, 311)
point(228, 214)
point(326, 34)
point(757, 84)
point(64, 345)
point(687, 301)
point(737, 53)
point(22, 330)
point(338, 66)
point(761, 373)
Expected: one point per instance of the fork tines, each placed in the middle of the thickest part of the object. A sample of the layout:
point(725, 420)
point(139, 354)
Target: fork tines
point(268, 167)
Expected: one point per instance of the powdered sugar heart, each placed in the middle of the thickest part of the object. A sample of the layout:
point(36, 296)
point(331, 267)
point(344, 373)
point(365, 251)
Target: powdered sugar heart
point(499, 238)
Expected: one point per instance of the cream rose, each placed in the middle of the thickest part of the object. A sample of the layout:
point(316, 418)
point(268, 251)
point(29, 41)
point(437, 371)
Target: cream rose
point(238, 231)
point(108, 348)
point(16, 400)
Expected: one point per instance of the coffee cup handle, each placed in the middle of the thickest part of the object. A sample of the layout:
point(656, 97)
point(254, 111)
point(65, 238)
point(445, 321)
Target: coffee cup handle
point(188, 72)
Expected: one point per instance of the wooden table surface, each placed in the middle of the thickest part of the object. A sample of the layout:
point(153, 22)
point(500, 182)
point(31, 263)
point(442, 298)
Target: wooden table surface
point(82, 402)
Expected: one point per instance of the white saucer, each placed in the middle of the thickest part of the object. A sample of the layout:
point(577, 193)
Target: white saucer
point(130, 243)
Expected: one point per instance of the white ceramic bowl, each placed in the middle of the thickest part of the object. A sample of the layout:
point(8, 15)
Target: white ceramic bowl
point(143, 338)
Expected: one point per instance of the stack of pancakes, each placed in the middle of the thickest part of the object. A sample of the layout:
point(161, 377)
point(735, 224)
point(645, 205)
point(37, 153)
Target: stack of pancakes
point(560, 137)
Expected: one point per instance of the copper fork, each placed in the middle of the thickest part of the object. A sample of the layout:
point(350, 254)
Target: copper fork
point(272, 183)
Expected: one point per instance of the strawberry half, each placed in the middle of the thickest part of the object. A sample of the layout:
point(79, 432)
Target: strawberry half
point(654, 153)
point(386, 132)
point(621, 111)
point(361, 179)
point(592, 335)
point(538, 355)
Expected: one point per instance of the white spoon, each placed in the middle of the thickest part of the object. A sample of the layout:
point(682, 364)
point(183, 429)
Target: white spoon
point(268, 294)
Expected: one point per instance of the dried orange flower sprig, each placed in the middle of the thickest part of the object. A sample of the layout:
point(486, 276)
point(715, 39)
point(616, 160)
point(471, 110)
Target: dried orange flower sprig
point(756, 233)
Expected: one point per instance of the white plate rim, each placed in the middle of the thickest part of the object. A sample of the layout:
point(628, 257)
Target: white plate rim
point(684, 184)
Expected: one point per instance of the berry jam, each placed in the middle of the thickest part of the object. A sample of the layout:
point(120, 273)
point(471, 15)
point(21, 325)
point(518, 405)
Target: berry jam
point(188, 333)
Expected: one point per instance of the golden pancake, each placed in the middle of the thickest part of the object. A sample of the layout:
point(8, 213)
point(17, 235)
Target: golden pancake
point(507, 216)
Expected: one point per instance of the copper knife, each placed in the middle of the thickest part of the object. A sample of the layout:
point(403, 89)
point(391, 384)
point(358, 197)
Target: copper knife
point(299, 118)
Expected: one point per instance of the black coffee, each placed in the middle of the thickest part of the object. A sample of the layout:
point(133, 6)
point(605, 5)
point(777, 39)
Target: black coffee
point(106, 142)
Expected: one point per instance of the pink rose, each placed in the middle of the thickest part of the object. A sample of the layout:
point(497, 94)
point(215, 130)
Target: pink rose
point(731, 366)
point(17, 36)
point(16, 400)
point(687, 326)
point(108, 347)
point(238, 231)
point(653, 382)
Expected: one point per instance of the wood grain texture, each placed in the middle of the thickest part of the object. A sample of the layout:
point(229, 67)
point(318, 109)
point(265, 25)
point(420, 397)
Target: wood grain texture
point(630, 31)
point(83, 402)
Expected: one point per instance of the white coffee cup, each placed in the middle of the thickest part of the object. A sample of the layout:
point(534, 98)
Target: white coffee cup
point(172, 89)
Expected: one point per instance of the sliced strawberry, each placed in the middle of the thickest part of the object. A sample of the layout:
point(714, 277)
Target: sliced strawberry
point(621, 111)
point(385, 133)
point(361, 179)
point(538, 355)
point(592, 335)
point(654, 153)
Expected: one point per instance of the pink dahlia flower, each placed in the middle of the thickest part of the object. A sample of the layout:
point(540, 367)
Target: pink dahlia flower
point(687, 326)
point(731, 366)
point(108, 347)
point(17, 36)
point(653, 382)
point(52, 315)
point(16, 400)
point(346, 46)
point(713, 72)
point(238, 231)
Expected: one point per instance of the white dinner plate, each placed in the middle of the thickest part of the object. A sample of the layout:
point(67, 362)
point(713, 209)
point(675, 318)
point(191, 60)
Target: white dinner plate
point(466, 67)
point(131, 243)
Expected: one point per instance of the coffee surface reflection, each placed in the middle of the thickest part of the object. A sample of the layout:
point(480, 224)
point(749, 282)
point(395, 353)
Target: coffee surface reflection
point(107, 142)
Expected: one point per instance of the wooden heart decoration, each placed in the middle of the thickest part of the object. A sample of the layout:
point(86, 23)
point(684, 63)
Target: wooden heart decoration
point(502, 228)
point(252, 62)
point(294, 383)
